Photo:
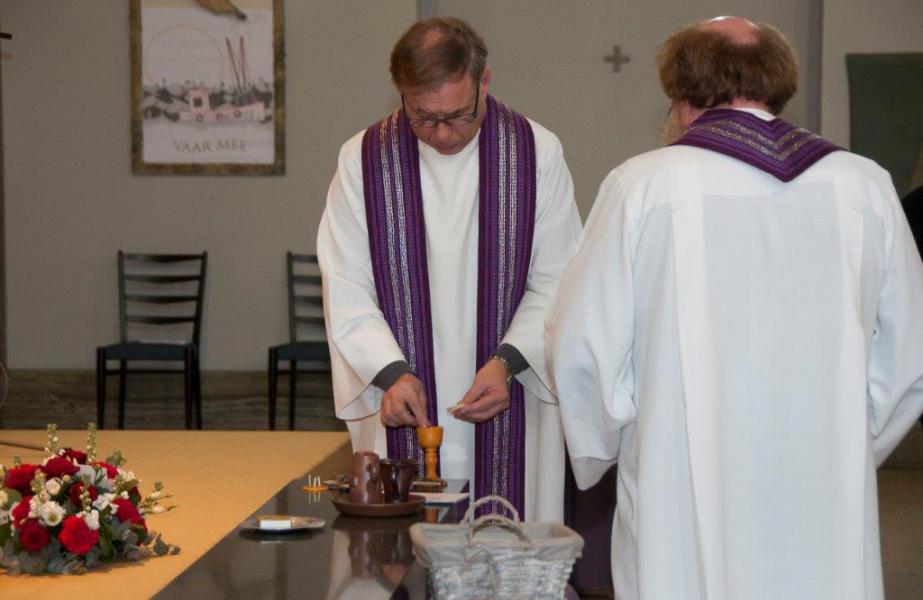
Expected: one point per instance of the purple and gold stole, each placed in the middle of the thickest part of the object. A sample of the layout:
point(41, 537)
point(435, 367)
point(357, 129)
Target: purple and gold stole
point(397, 241)
point(777, 147)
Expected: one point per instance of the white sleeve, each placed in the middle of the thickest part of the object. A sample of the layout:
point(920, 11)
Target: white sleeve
point(895, 371)
point(557, 229)
point(361, 342)
point(589, 338)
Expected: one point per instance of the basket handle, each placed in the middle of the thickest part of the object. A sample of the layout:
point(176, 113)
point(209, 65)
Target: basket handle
point(495, 519)
point(487, 499)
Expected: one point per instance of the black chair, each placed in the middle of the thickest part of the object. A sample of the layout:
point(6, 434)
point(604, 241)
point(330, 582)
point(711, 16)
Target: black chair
point(158, 294)
point(306, 351)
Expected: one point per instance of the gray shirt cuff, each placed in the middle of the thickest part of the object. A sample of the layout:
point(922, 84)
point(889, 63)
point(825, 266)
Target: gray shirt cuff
point(390, 374)
point(513, 358)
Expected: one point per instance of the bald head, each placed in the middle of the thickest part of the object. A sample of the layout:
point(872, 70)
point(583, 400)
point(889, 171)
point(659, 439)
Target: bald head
point(728, 61)
point(735, 29)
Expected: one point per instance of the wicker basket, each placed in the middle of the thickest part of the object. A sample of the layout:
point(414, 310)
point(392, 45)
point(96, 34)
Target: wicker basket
point(496, 557)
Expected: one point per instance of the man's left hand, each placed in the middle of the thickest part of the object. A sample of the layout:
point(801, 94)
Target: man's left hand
point(488, 395)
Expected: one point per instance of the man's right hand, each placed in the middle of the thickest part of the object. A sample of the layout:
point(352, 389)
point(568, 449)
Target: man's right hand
point(404, 403)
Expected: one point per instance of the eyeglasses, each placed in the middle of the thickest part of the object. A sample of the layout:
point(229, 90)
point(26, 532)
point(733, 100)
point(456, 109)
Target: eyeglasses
point(450, 121)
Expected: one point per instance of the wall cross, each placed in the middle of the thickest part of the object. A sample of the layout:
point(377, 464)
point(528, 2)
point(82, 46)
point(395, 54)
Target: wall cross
point(617, 58)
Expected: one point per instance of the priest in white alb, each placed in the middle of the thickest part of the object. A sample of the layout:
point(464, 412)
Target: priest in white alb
point(447, 226)
point(741, 331)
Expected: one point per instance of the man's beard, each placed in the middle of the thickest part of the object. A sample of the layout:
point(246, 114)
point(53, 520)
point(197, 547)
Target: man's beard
point(671, 129)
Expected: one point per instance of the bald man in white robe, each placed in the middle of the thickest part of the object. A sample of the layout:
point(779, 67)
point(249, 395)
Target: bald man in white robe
point(741, 331)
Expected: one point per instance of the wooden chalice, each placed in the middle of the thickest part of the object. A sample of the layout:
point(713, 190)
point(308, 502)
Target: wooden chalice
point(430, 438)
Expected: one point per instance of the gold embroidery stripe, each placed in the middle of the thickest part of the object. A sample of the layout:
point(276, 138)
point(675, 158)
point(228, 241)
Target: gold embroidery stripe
point(778, 156)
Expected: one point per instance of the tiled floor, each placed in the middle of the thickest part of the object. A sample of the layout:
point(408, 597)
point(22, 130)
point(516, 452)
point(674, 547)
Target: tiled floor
point(900, 506)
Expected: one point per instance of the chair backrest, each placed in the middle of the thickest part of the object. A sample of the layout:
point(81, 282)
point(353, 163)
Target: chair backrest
point(162, 292)
point(305, 298)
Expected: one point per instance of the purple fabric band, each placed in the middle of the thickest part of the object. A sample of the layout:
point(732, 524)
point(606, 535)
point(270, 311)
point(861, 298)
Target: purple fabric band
point(397, 241)
point(776, 147)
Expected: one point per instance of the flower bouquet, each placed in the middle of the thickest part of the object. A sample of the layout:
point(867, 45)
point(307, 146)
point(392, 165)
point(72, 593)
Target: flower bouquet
point(72, 512)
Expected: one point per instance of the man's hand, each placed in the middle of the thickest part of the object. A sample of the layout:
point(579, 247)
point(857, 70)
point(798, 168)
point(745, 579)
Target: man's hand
point(404, 403)
point(488, 395)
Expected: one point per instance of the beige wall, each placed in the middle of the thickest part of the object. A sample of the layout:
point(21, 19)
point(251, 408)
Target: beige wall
point(559, 77)
point(856, 26)
point(72, 202)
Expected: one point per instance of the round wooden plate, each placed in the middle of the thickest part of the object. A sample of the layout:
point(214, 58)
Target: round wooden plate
point(394, 509)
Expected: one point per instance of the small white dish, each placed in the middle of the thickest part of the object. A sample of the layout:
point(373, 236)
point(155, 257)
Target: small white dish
point(275, 525)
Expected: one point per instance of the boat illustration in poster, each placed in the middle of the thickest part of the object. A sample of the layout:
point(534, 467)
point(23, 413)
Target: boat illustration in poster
point(207, 89)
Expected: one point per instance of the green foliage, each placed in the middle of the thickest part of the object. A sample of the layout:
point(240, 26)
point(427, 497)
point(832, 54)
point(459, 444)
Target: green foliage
point(160, 546)
point(91, 442)
point(12, 497)
point(124, 486)
point(52, 447)
point(31, 563)
point(106, 549)
point(117, 459)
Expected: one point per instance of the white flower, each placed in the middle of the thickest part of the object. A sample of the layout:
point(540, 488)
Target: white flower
point(53, 486)
point(124, 495)
point(34, 504)
point(3, 498)
point(4, 517)
point(127, 475)
point(86, 472)
point(91, 519)
point(157, 510)
point(102, 501)
point(51, 513)
point(105, 483)
point(154, 495)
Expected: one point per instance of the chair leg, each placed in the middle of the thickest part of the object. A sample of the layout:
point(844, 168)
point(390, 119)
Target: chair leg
point(101, 388)
point(273, 382)
point(293, 386)
point(197, 383)
point(187, 387)
point(123, 382)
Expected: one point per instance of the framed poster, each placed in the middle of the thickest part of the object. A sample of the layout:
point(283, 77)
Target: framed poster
point(207, 88)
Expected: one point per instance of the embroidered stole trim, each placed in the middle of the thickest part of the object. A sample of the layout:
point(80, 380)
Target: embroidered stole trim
point(397, 242)
point(776, 147)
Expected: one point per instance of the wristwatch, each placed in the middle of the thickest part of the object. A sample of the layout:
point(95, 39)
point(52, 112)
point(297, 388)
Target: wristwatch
point(509, 370)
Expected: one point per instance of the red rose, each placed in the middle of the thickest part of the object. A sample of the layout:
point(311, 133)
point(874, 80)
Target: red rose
point(58, 466)
point(129, 512)
point(76, 537)
point(20, 512)
point(75, 456)
point(33, 536)
point(74, 492)
point(111, 471)
point(20, 478)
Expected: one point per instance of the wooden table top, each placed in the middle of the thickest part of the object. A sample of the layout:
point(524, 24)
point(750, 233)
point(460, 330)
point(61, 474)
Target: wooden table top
point(218, 478)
